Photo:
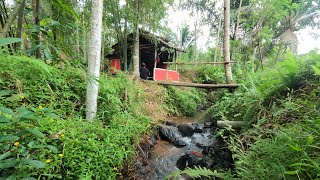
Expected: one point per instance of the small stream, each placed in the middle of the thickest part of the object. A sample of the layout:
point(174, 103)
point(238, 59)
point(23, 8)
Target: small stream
point(178, 147)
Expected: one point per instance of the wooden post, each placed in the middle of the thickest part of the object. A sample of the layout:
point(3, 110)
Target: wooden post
point(155, 55)
point(175, 59)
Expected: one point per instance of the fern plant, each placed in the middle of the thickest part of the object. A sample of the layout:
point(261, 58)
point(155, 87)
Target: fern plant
point(197, 172)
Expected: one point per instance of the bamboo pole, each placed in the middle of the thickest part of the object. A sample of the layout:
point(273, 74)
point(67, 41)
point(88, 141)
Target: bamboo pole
point(183, 63)
point(233, 124)
point(206, 86)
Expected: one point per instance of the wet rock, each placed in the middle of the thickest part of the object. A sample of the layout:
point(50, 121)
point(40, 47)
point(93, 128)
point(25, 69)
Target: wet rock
point(179, 143)
point(221, 155)
point(186, 129)
point(209, 125)
point(200, 145)
point(188, 160)
point(170, 123)
point(198, 128)
point(171, 134)
point(168, 133)
point(194, 159)
point(207, 162)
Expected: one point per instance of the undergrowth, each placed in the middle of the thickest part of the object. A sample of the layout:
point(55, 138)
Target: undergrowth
point(280, 106)
point(262, 90)
point(44, 134)
point(55, 99)
point(183, 101)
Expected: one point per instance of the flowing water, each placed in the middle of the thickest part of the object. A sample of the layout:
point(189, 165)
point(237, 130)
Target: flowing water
point(164, 156)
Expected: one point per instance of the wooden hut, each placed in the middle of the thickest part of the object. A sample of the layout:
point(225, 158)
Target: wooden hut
point(154, 51)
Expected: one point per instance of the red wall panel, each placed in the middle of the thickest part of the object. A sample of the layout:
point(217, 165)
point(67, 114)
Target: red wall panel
point(114, 65)
point(165, 75)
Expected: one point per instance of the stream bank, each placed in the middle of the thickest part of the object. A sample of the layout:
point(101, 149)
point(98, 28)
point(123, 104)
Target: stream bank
point(179, 143)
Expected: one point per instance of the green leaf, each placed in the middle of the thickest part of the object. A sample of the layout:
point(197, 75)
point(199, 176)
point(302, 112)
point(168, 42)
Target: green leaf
point(316, 70)
point(35, 132)
point(291, 172)
point(12, 177)
point(29, 178)
point(4, 93)
point(8, 163)
point(296, 148)
point(310, 140)
point(47, 54)
point(10, 138)
point(34, 163)
point(302, 164)
point(4, 119)
point(6, 110)
point(52, 148)
point(67, 9)
point(6, 41)
point(5, 155)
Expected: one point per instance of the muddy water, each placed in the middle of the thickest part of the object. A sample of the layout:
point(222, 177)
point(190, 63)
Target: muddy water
point(164, 156)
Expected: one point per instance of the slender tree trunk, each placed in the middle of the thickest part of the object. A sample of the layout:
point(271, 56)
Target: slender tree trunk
point(279, 53)
point(85, 42)
point(136, 48)
point(20, 21)
point(94, 60)
point(125, 47)
point(236, 30)
point(102, 64)
point(226, 42)
point(253, 57)
point(244, 68)
point(77, 40)
point(12, 17)
point(260, 56)
point(217, 40)
point(36, 21)
point(195, 52)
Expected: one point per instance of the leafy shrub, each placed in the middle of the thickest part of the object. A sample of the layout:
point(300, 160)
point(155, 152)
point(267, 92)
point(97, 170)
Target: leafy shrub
point(210, 75)
point(90, 150)
point(24, 150)
point(183, 102)
point(291, 153)
point(252, 101)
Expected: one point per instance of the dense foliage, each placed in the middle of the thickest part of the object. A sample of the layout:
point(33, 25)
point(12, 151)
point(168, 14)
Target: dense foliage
point(44, 135)
point(281, 109)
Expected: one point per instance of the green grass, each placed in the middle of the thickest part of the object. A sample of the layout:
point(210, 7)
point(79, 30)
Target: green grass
point(90, 150)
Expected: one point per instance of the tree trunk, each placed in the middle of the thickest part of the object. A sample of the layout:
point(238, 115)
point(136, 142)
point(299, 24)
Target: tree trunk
point(236, 30)
point(85, 43)
point(226, 42)
point(195, 50)
point(253, 58)
point(12, 17)
point(36, 21)
point(125, 47)
point(94, 60)
point(19, 26)
point(77, 40)
point(218, 40)
point(279, 53)
point(261, 56)
point(136, 50)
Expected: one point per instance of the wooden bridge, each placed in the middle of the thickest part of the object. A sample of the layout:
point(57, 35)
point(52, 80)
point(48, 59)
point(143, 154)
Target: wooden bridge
point(197, 85)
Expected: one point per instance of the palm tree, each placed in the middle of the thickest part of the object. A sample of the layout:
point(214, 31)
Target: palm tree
point(296, 20)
